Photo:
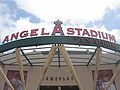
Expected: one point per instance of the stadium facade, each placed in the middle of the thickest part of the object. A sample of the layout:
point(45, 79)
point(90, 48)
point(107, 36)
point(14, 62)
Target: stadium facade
point(60, 62)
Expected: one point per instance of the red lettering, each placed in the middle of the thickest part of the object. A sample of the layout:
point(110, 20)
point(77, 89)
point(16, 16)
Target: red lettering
point(70, 31)
point(99, 34)
point(57, 31)
point(6, 39)
point(104, 35)
point(78, 30)
point(58, 28)
point(24, 34)
point(34, 32)
point(14, 36)
point(93, 33)
point(43, 32)
point(85, 32)
point(112, 38)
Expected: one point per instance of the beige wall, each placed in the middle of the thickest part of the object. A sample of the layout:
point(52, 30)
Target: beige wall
point(84, 73)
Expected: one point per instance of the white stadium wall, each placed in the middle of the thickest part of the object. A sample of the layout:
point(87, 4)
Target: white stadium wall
point(84, 73)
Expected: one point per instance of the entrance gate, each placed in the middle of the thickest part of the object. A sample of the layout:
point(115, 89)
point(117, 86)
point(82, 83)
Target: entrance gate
point(58, 43)
point(59, 88)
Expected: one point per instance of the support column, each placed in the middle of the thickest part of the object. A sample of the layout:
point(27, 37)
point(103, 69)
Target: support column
point(47, 63)
point(20, 66)
point(113, 78)
point(5, 78)
point(98, 58)
point(70, 66)
point(59, 87)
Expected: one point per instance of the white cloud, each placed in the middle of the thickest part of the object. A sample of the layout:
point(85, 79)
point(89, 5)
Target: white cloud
point(5, 21)
point(4, 16)
point(82, 10)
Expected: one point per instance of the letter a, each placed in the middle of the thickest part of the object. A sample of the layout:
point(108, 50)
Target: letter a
point(58, 28)
point(6, 39)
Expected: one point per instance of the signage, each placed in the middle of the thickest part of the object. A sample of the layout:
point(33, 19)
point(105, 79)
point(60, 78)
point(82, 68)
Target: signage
point(103, 79)
point(14, 78)
point(59, 78)
point(58, 30)
point(94, 42)
point(74, 40)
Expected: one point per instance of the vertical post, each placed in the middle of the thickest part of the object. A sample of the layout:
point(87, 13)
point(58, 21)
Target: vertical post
point(5, 78)
point(98, 58)
point(20, 66)
point(113, 78)
point(70, 66)
point(48, 61)
point(59, 87)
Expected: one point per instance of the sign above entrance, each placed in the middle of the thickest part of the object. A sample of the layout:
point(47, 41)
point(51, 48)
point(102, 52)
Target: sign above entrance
point(58, 30)
point(70, 40)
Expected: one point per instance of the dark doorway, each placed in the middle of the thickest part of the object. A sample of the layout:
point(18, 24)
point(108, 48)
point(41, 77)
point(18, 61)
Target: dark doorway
point(69, 88)
point(57, 88)
point(49, 88)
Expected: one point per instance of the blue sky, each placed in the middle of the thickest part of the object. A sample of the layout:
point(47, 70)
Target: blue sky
point(110, 20)
point(16, 15)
